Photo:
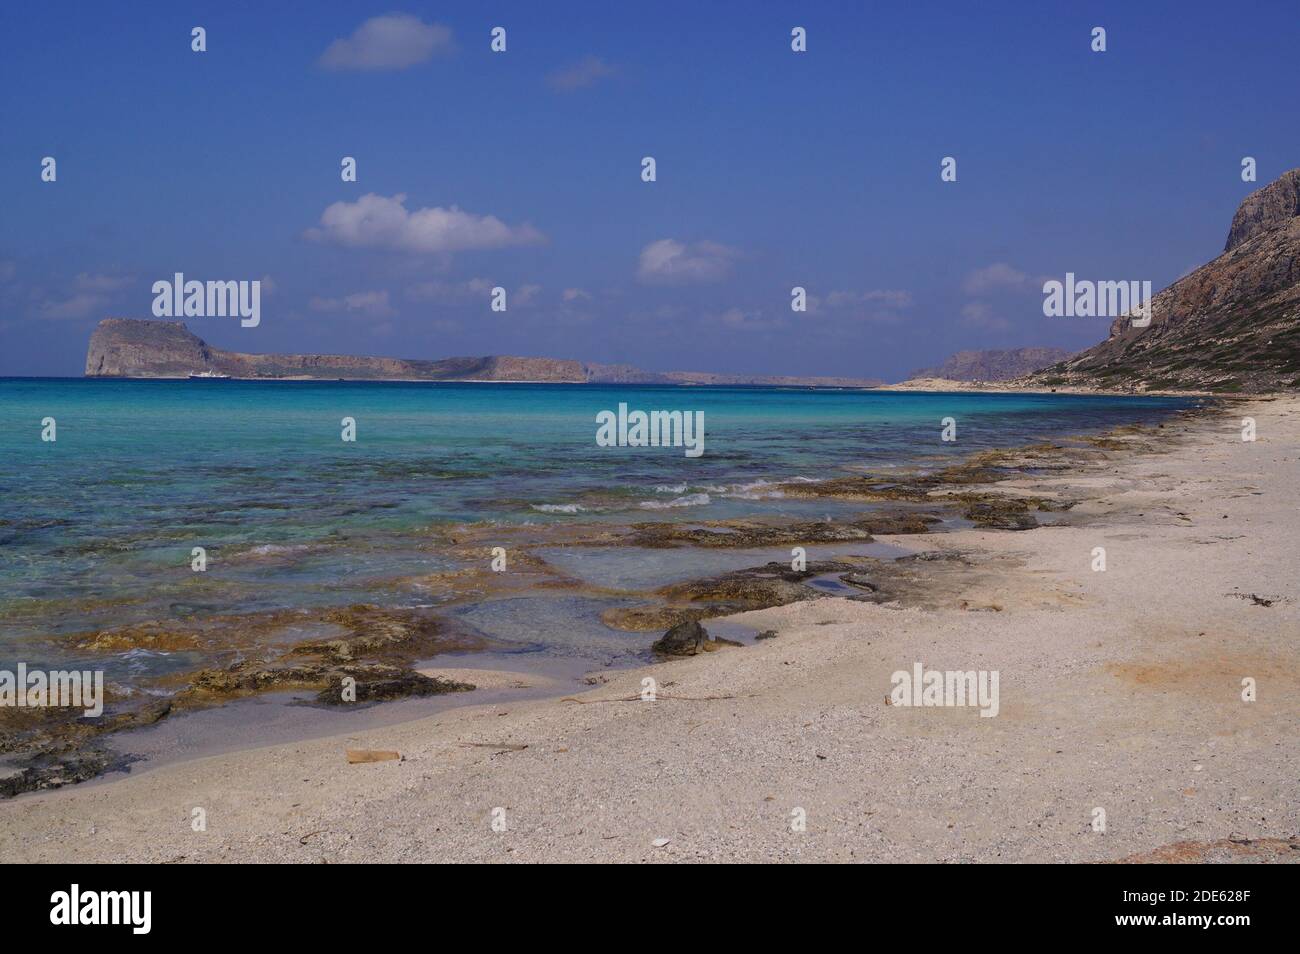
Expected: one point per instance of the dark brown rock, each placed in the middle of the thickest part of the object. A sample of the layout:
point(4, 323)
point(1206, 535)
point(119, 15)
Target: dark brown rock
point(689, 639)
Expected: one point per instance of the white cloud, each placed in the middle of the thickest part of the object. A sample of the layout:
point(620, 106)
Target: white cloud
point(476, 289)
point(394, 41)
point(80, 305)
point(372, 304)
point(669, 262)
point(447, 292)
point(995, 277)
point(740, 320)
point(979, 315)
point(890, 298)
point(584, 73)
point(576, 294)
point(376, 221)
point(879, 304)
point(100, 284)
point(91, 294)
point(7, 271)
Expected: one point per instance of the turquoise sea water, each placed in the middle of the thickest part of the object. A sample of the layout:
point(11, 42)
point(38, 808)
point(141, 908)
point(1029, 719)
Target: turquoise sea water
point(96, 528)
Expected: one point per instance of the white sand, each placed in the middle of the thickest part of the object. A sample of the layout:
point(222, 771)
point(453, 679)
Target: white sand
point(1118, 690)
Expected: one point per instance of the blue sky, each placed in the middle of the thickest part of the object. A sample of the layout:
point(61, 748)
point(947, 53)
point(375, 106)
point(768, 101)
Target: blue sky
point(775, 169)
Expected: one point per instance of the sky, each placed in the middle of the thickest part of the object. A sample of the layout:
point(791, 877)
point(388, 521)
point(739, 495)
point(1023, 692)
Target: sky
point(522, 170)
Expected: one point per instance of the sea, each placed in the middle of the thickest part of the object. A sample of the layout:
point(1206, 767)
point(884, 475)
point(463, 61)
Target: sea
point(98, 526)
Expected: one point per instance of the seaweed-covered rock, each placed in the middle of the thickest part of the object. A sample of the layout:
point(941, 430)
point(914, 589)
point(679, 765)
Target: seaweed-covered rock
point(396, 685)
point(1002, 514)
point(395, 634)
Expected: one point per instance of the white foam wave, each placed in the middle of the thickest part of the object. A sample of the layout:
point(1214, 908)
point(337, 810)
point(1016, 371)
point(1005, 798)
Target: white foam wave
point(690, 500)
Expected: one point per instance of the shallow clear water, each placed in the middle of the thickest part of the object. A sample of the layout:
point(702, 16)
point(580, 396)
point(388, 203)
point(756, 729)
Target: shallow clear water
point(96, 528)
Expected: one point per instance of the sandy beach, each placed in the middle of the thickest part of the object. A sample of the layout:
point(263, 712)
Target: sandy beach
point(1119, 690)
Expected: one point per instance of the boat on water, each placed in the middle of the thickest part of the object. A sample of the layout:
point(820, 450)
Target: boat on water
point(208, 376)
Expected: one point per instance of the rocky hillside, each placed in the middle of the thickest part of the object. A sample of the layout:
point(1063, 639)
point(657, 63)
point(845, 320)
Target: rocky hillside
point(1232, 325)
point(993, 365)
point(131, 348)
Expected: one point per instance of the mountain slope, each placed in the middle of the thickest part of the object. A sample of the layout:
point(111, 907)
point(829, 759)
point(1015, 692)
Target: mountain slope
point(993, 365)
point(1231, 325)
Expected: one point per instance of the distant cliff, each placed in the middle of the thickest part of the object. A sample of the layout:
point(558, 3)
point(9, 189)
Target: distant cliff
point(993, 365)
point(132, 348)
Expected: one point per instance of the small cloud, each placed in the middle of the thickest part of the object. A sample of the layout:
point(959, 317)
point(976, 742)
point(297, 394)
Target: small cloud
point(268, 285)
point(7, 271)
point(372, 304)
point(395, 41)
point(993, 278)
point(576, 294)
point(979, 315)
point(740, 320)
point(880, 304)
point(376, 221)
point(451, 293)
point(80, 305)
point(893, 298)
point(669, 262)
point(447, 292)
point(91, 294)
point(586, 72)
point(100, 284)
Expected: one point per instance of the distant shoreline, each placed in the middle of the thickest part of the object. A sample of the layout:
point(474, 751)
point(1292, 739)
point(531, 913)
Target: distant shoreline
point(924, 385)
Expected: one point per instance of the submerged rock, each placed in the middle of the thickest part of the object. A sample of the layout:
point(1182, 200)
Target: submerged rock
point(859, 580)
point(758, 588)
point(745, 534)
point(644, 619)
point(395, 634)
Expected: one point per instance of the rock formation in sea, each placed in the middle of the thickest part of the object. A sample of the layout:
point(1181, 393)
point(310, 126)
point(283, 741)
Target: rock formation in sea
point(134, 348)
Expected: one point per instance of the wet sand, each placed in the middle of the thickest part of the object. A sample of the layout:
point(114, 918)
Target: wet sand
point(1119, 690)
